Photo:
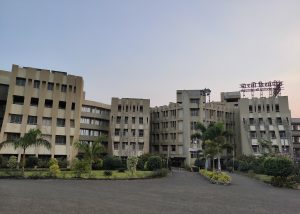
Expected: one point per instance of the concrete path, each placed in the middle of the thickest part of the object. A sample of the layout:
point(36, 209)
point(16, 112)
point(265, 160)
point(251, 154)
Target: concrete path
point(182, 192)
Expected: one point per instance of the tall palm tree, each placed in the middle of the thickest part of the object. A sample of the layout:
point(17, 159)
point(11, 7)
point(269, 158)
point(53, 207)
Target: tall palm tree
point(209, 149)
point(32, 138)
point(91, 151)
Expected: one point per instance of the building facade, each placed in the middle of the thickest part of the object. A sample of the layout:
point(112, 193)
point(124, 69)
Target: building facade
point(296, 138)
point(265, 119)
point(48, 100)
point(129, 127)
point(94, 121)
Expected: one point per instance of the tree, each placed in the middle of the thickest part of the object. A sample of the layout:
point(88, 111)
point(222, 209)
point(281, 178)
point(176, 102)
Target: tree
point(32, 138)
point(91, 151)
point(265, 144)
point(131, 164)
point(209, 150)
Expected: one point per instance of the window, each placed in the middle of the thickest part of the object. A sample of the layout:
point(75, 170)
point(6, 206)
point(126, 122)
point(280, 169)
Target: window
point(255, 148)
point(84, 132)
point(250, 109)
point(117, 132)
point(34, 101)
point(133, 132)
point(279, 120)
point(20, 81)
point(60, 140)
point(261, 121)
point(50, 86)
point(282, 134)
point(19, 100)
point(36, 84)
point(141, 120)
point(62, 105)
point(119, 108)
point(15, 118)
point(72, 123)
point(48, 103)
point(164, 148)
point(251, 121)
point(32, 120)
point(141, 133)
point(253, 135)
point(194, 112)
point(12, 136)
point(85, 120)
point(125, 132)
point(61, 122)
point(270, 121)
point(63, 88)
point(141, 146)
point(133, 120)
point(116, 145)
point(268, 108)
point(133, 108)
point(126, 120)
point(194, 154)
point(155, 148)
point(194, 101)
point(118, 120)
point(133, 145)
point(124, 145)
point(272, 133)
point(86, 109)
point(73, 106)
point(141, 108)
point(277, 108)
point(47, 121)
point(173, 148)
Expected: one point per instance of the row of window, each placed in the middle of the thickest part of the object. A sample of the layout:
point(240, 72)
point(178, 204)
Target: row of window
point(164, 136)
point(50, 85)
point(263, 108)
point(133, 108)
point(126, 120)
point(132, 132)
point(19, 100)
point(32, 120)
point(164, 148)
point(257, 149)
point(94, 121)
point(164, 113)
point(296, 127)
point(95, 110)
point(59, 139)
point(260, 121)
point(296, 139)
point(253, 134)
point(90, 132)
point(130, 146)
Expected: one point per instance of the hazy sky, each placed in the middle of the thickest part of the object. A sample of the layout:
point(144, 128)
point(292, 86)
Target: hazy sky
point(149, 49)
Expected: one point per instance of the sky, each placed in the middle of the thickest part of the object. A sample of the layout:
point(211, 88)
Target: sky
point(151, 48)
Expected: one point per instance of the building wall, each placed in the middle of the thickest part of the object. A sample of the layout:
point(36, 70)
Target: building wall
point(296, 137)
point(129, 115)
point(265, 118)
point(94, 121)
point(66, 98)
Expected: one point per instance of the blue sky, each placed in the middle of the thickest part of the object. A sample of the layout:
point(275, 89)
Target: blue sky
point(149, 49)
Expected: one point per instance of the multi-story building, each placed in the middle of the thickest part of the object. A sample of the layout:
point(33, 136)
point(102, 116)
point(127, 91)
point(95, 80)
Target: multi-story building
point(94, 121)
point(266, 119)
point(296, 138)
point(129, 127)
point(48, 100)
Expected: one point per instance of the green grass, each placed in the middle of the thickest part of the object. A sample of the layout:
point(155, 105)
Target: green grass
point(95, 174)
point(260, 177)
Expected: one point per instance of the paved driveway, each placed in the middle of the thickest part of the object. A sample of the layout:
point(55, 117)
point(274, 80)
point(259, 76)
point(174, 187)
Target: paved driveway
point(183, 192)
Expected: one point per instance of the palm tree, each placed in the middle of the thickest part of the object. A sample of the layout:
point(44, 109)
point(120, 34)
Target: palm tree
point(32, 138)
point(209, 149)
point(91, 151)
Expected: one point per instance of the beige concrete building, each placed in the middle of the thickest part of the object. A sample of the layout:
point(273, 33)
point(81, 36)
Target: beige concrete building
point(296, 138)
point(48, 100)
point(94, 121)
point(265, 119)
point(129, 127)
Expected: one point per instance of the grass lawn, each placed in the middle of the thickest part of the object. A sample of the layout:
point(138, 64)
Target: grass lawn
point(95, 174)
point(260, 177)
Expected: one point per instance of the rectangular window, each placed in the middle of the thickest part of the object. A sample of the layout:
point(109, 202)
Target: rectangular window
point(133, 120)
point(47, 121)
point(173, 148)
point(60, 140)
point(50, 86)
point(141, 146)
point(268, 108)
point(34, 101)
point(125, 132)
point(119, 108)
point(196, 101)
point(84, 132)
point(117, 132)
point(12, 136)
point(141, 120)
point(116, 145)
point(20, 81)
point(270, 121)
point(61, 122)
point(63, 88)
point(133, 132)
point(251, 121)
point(277, 108)
point(255, 148)
point(15, 118)
point(133, 145)
point(73, 106)
point(259, 108)
point(32, 120)
point(48, 103)
point(19, 100)
point(272, 133)
point(279, 120)
point(124, 145)
point(118, 120)
point(86, 109)
point(194, 154)
point(282, 134)
point(250, 109)
point(72, 123)
point(164, 148)
point(36, 84)
point(194, 112)
point(126, 120)
point(141, 133)
point(261, 121)
point(141, 108)
point(62, 105)
point(253, 135)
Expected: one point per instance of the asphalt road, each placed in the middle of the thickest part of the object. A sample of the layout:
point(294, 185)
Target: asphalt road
point(182, 192)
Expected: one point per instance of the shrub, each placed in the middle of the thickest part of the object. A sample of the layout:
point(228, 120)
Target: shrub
point(154, 163)
point(53, 161)
point(79, 167)
point(31, 161)
point(216, 177)
point(160, 173)
point(278, 181)
point(131, 164)
point(243, 166)
point(107, 173)
point(142, 161)
point(98, 164)
point(62, 163)
point(54, 170)
point(122, 170)
point(42, 163)
point(12, 162)
point(112, 163)
point(278, 166)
